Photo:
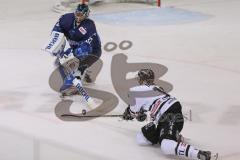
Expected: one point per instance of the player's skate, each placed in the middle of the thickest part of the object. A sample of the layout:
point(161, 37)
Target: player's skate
point(180, 138)
point(69, 92)
point(204, 155)
point(87, 78)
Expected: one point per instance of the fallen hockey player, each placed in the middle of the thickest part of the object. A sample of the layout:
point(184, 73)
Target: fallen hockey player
point(166, 120)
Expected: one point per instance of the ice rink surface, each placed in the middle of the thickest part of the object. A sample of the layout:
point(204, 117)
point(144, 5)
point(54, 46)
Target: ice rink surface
point(198, 42)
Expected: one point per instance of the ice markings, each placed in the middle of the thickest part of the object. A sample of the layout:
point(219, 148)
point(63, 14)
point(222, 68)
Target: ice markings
point(153, 16)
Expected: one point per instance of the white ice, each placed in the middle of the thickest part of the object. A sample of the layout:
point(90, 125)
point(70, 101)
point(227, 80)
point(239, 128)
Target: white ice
point(203, 62)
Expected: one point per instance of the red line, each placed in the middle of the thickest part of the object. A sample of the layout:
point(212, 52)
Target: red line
point(159, 3)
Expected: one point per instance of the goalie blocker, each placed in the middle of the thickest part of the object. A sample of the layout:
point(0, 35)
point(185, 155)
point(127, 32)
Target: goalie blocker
point(56, 44)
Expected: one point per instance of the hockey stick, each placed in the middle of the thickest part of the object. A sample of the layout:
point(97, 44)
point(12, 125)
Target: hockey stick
point(161, 90)
point(91, 116)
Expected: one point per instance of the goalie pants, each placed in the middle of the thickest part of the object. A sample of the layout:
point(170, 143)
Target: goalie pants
point(87, 62)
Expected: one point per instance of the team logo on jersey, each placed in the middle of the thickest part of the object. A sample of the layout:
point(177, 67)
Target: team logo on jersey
point(82, 30)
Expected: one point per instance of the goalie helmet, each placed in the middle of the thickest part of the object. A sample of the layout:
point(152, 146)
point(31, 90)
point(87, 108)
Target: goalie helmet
point(82, 11)
point(146, 76)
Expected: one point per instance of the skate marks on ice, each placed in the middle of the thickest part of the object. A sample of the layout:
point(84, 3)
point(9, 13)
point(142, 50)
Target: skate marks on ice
point(197, 110)
point(232, 156)
point(231, 116)
point(37, 148)
point(12, 100)
point(153, 16)
point(214, 156)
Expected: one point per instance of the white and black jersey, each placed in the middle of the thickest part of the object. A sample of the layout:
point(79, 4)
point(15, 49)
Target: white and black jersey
point(157, 105)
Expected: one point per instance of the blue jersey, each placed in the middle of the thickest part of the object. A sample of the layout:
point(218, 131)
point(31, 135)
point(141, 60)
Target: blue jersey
point(85, 32)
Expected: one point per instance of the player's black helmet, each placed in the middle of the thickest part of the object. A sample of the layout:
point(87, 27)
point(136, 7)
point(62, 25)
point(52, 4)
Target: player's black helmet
point(146, 76)
point(83, 9)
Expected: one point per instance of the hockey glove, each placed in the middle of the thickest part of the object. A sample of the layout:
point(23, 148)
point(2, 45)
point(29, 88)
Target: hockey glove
point(83, 50)
point(55, 44)
point(127, 115)
point(141, 115)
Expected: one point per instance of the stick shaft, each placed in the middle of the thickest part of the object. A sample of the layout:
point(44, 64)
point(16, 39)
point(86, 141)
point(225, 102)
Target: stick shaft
point(91, 116)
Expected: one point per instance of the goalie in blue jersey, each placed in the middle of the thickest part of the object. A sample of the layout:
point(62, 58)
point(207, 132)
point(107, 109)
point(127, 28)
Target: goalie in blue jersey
point(84, 50)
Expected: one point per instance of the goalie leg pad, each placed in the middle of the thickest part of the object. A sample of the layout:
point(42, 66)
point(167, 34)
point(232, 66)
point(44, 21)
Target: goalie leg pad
point(68, 83)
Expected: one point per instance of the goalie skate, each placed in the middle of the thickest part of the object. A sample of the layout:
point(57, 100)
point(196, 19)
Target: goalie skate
point(69, 92)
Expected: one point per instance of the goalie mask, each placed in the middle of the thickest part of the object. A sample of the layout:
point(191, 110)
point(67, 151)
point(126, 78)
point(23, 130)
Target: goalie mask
point(82, 11)
point(146, 76)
